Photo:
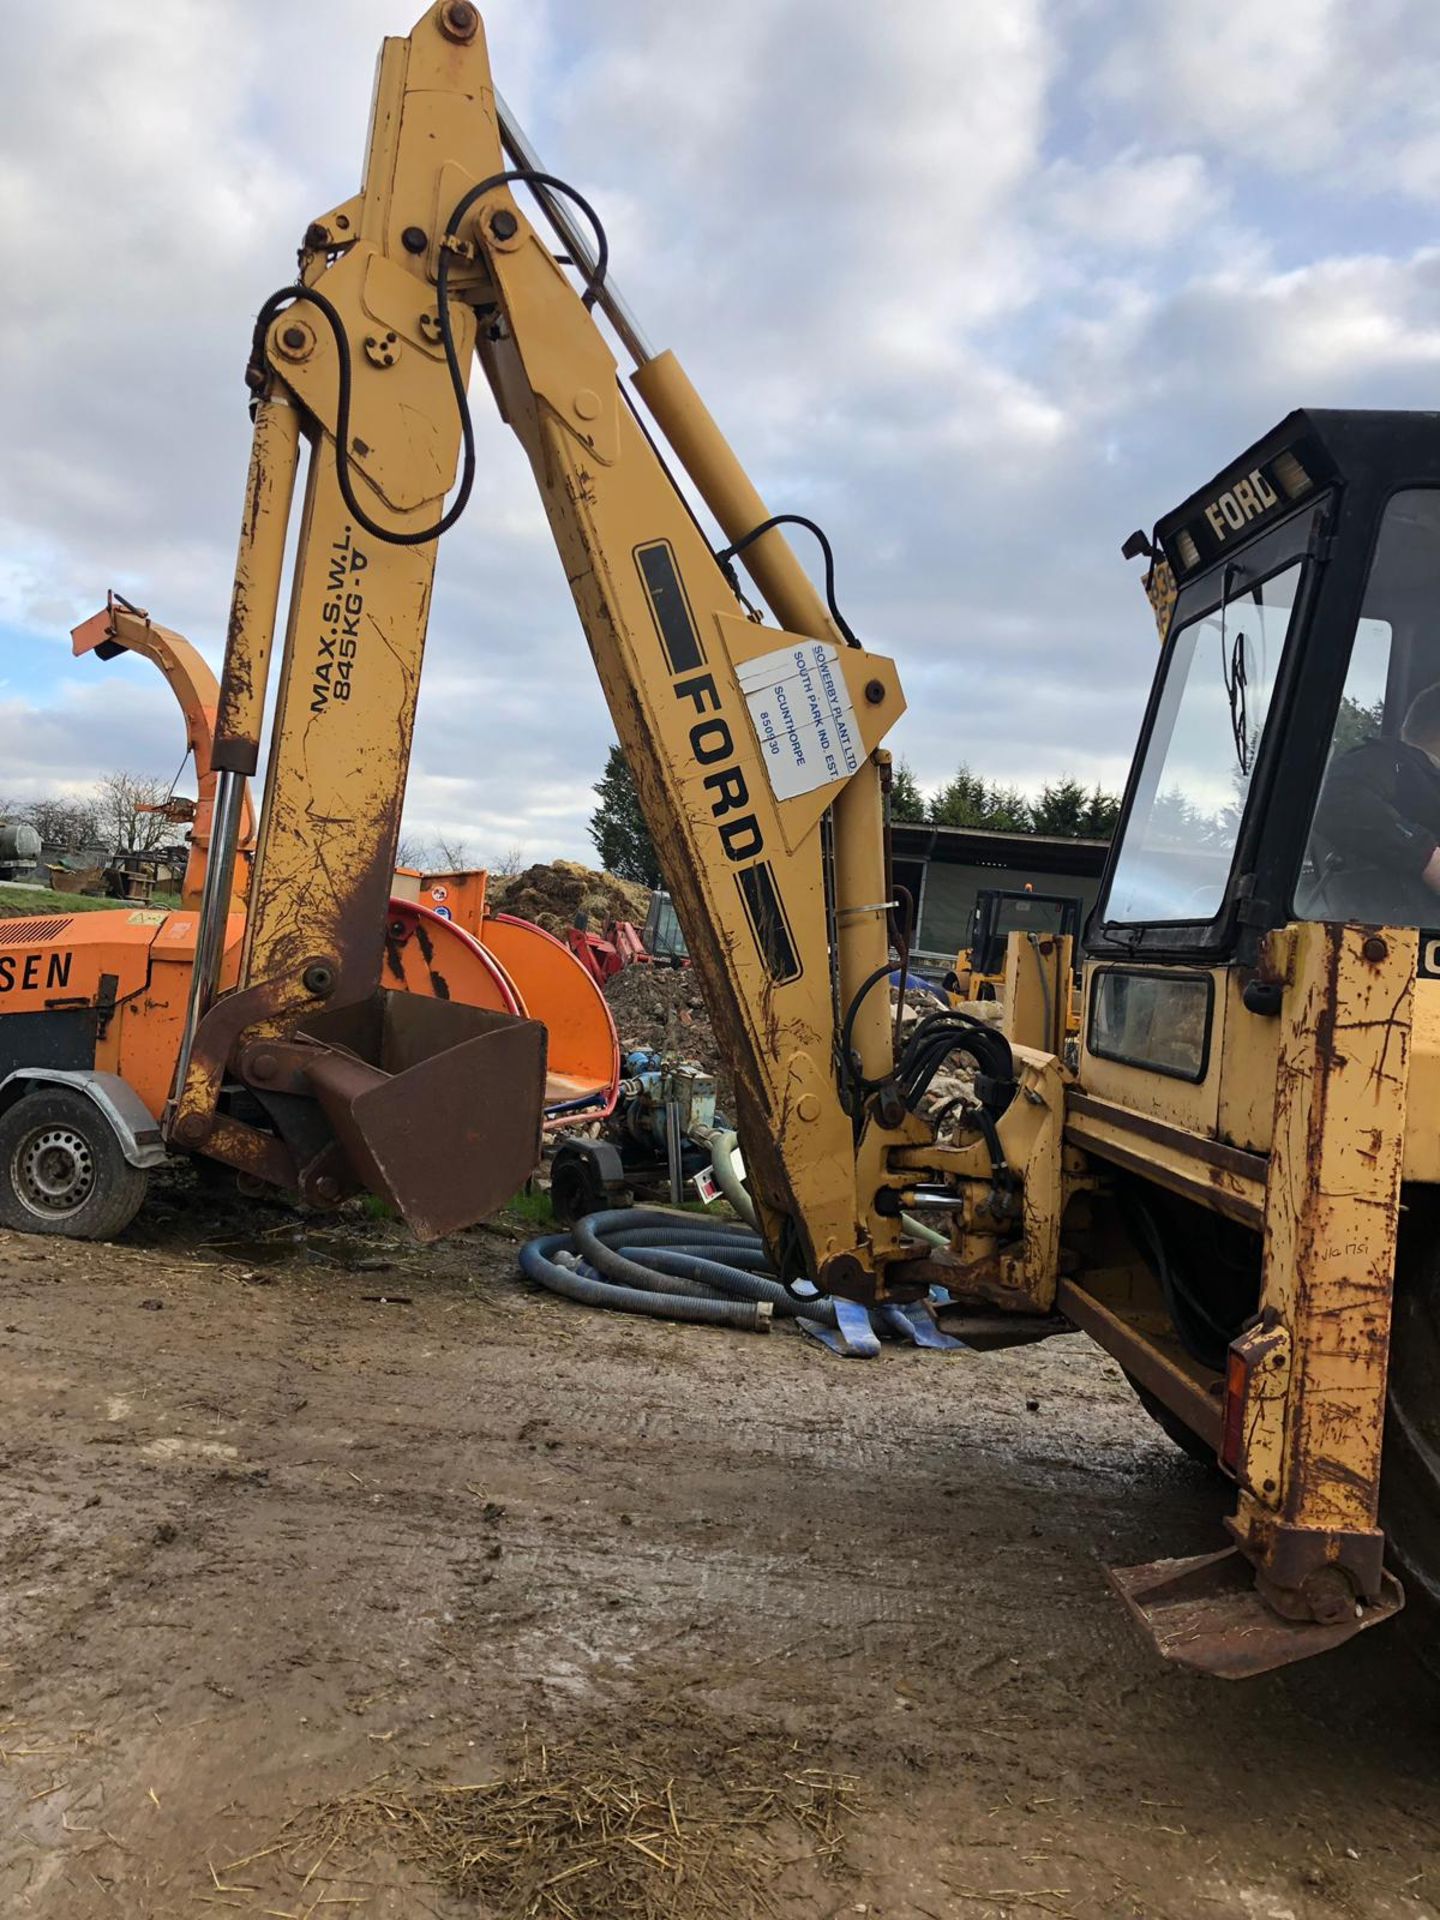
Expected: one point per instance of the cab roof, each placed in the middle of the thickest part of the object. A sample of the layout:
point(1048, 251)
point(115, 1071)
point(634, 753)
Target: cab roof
point(1310, 451)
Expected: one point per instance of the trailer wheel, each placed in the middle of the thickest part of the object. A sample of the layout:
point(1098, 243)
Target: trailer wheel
point(578, 1185)
point(62, 1169)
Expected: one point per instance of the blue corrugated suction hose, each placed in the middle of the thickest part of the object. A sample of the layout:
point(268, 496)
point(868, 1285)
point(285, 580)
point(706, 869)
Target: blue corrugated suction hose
point(671, 1266)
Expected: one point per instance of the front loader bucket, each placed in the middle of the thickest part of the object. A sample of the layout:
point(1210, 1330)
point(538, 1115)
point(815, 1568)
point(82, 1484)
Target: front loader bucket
point(436, 1106)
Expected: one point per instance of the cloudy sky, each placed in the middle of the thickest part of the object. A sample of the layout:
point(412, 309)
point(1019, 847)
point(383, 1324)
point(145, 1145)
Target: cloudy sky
point(982, 287)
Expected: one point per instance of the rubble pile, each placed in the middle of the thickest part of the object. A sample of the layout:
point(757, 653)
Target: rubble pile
point(551, 895)
point(661, 1007)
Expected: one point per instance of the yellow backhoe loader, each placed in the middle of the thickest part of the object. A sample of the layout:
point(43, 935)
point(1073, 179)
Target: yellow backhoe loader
point(1234, 1193)
point(1000, 913)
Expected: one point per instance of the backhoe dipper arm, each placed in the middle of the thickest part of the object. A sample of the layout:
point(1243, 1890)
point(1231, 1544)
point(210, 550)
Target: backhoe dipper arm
point(360, 360)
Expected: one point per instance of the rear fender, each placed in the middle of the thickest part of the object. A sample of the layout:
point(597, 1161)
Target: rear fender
point(134, 1125)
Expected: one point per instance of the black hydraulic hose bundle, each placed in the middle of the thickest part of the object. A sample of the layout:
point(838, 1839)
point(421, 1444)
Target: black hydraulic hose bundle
point(928, 1046)
point(670, 1266)
point(932, 1040)
point(286, 297)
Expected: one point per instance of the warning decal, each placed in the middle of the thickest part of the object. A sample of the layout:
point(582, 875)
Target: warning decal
point(801, 708)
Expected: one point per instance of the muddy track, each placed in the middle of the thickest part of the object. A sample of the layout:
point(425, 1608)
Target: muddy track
point(287, 1512)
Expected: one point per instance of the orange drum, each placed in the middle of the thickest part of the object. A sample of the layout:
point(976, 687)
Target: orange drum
point(584, 1053)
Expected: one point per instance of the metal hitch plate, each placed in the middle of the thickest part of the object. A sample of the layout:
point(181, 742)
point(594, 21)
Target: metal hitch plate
point(1205, 1613)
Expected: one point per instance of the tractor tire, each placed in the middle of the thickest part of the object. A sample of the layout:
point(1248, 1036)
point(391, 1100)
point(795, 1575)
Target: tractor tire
point(62, 1169)
point(1410, 1471)
point(1173, 1427)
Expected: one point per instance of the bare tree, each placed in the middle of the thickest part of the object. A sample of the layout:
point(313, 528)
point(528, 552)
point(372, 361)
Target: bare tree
point(66, 825)
point(126, 822)
point(452, 854)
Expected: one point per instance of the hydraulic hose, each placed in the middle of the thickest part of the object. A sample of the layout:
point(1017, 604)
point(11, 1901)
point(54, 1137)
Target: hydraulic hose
point(723, 1148)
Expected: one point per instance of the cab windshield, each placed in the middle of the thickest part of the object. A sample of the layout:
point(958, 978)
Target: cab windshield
point(1179, 838)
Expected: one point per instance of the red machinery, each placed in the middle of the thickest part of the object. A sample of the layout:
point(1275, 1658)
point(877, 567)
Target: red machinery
point(605, 955)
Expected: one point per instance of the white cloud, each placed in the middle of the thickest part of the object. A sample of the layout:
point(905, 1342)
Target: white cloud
point(1347, 87)
point(1253, 79)
point(1135, 202)
point(89, 729)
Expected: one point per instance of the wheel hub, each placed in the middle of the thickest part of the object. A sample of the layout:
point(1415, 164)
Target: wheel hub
point(53, 1171)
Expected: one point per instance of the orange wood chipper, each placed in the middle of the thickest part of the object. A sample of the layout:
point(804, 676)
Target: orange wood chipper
point(98, 999)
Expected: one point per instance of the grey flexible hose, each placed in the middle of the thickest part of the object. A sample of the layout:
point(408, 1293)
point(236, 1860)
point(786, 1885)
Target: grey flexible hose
point(714, 1273)
point(607, 1242)
point(676, 1266)
point(722, 1160)
point(538, 1261)
point(731, 1281)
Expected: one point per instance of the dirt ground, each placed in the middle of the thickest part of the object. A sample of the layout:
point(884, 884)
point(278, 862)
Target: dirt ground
point(298, 1507)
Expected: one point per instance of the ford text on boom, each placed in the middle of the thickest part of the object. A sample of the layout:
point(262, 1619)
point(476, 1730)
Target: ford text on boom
point(712, 743)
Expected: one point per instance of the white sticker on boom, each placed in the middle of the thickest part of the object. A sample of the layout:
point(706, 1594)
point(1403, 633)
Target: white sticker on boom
point(801, 708)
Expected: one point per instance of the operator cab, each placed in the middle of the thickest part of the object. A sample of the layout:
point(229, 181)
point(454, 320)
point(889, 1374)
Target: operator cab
point(1001, 911)
point(1272, 781)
